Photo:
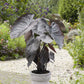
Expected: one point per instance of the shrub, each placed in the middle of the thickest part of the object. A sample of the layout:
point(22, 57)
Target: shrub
point(10, 48)
point(81, 15)
point(39, 8)
point(71, 35)
point(67, 26)
point(68, 10)
point(53, 6)
point(76, 49)
point(12, 9)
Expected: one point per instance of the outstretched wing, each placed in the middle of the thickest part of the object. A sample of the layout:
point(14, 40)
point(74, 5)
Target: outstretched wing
point(57, 35)
point(22, 25)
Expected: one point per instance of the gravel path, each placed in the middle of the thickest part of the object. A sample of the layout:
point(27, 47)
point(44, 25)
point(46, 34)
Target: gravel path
point(61, 69)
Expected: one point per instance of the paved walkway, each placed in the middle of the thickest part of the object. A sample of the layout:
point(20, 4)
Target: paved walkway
point(61, 69)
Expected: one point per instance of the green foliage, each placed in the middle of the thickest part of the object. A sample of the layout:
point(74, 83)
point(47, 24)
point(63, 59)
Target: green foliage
point(10, 48)
point(67, 26)
point(68, 10)
point(12, 9)
point(53, 6)
point(39, 8)
point(79, 78)
point(81, 81)
point(81, 16)
point(76, 49)
point(50, 5)
point(0, 83)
